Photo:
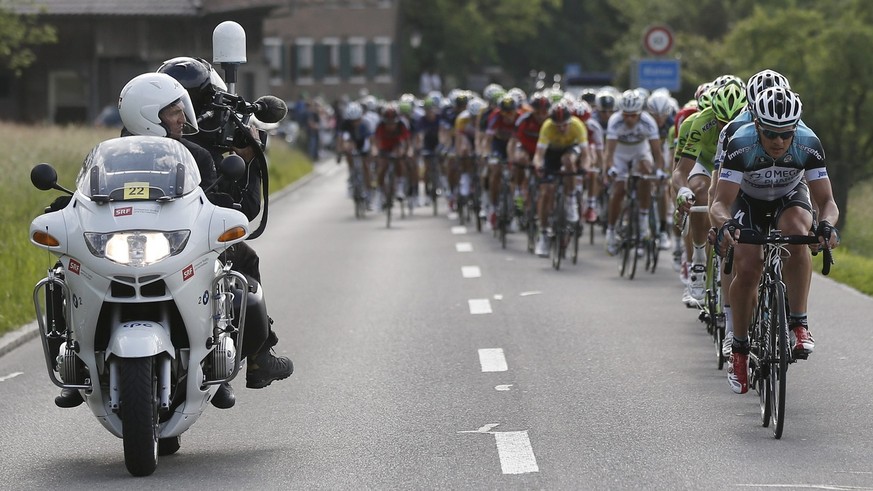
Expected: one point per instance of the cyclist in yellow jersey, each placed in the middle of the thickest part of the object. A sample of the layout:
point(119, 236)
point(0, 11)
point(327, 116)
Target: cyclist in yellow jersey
point(562, 145)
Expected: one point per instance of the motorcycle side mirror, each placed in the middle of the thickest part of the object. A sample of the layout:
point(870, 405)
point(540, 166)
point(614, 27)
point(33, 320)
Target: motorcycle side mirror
point(44, 177)
point(233, 166)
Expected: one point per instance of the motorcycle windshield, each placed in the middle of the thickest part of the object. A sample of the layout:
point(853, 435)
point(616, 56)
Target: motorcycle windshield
point(138, 168)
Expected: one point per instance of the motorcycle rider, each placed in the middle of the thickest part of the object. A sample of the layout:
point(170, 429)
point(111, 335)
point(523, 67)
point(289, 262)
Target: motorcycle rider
point(157, 104)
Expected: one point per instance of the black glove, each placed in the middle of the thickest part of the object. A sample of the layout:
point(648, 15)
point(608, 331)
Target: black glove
point(59, 203)
point(825, 229)
point(223, 200)
point(729, 227)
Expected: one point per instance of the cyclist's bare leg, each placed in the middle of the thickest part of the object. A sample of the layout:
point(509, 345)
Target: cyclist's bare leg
point(494, 175)
point(544, 204)
point(699, 222)
point(797, 272)
point(747, 268)
point(615, 199)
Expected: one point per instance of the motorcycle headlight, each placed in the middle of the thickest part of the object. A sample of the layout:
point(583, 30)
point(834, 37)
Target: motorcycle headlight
point(137, 248)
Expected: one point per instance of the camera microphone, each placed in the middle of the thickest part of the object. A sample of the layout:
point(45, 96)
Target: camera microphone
point(270, 109)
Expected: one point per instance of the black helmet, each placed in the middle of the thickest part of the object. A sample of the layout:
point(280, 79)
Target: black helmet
point(197, 76)
point(507, 104)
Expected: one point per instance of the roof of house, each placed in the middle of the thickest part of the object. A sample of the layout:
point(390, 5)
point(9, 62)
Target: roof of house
point(138, 7)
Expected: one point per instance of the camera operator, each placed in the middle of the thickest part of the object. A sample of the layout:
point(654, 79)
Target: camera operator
point(158, 89)
point(204, 87)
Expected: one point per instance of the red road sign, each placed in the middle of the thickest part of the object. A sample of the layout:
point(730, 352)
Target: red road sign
point(658, 40)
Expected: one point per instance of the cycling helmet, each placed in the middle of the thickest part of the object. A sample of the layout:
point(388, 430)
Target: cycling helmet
point(492, 92)
point(507, 103)
point(370, 103)
point(476, 106)
point(728, 101)
point(582, 109)
point(659, 104)
point(764, 80)
point(539, 101)
point(435, 96)
point(705, 99)
point(389, 113)
point(461, 99)
point(728, 79)
point(353, 111)
point(631, 101)
point(588, 95)
point(517, 95)
point(404, 107)
point(778, 107)
point(605, 101)
point(560, 113)
point(555, 95)
point(143, 98)
point(197, 77)
point(643, 92)
point(701, 89)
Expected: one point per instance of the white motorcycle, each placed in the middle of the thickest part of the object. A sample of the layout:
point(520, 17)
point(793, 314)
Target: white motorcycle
point(150, 319)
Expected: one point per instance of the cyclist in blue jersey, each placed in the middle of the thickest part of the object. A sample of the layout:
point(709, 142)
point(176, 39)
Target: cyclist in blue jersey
point(757, 83)
point(763, 172)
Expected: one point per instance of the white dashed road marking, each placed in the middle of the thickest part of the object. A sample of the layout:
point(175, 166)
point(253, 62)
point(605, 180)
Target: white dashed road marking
point(516, 453)
point(492, 360)
point(479, 306)
point(459, 230)
point(471, 271)
point(464, 247)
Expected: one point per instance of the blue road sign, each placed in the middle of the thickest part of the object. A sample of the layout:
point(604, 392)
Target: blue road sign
point(654, 74)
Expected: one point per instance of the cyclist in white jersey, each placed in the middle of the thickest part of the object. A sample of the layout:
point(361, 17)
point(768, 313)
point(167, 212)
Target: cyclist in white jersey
point(632, 143)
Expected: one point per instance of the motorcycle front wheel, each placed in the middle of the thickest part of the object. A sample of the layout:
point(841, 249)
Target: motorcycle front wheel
point(139, 414)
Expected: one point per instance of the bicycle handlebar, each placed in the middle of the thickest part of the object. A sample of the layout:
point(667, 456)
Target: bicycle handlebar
point(753, 237)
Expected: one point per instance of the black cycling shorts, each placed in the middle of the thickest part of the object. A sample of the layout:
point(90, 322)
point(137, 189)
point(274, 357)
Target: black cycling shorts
point(759, 214)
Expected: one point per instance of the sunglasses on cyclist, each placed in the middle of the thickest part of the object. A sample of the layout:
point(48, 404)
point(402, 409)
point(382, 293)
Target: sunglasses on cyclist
point(783, 135)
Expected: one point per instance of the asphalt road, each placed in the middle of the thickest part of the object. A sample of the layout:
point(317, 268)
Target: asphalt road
point(571, 379)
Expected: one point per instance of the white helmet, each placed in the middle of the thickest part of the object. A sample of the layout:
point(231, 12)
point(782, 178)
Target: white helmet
point(143, 98)
point(778, 107)
point(659, 104)
point(476, 106)
point(353, 111)
point(631, 101)
point(764, 80)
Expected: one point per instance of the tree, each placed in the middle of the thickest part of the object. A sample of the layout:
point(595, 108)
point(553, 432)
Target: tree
point(459, 37)
point(820, 51)
point(18, 33)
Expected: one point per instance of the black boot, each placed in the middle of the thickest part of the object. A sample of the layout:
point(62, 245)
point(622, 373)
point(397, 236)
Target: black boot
point(69, 398)
point(264, 368)
point(224, 398)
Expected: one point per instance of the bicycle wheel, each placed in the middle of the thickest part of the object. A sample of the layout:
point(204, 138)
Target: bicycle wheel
point(530, 211)
point(460, 208)
point(389, 198)
point(759, 349)
point(559, 228)
point(779, 350)
point(634, 223)
point(504, 216)
point(654, 237)
point(577, 232)
point(476, 207)
point(434, 181)
point(622, 237)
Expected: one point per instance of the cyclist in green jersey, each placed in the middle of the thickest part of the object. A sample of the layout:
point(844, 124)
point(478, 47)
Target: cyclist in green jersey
point(692, 175)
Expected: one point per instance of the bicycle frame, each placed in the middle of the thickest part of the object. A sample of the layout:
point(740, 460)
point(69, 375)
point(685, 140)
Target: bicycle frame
point(770, 353)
